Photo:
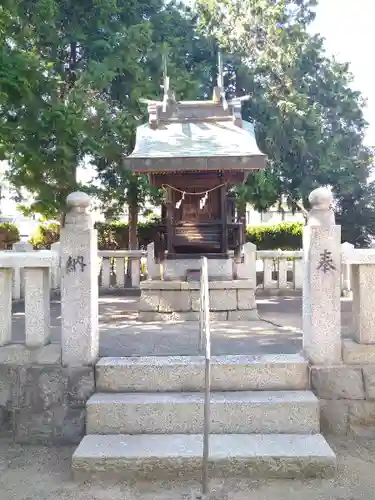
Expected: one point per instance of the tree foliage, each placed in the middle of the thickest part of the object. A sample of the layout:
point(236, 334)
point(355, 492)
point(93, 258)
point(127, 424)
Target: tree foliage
point(72, 74)
point(308, 119)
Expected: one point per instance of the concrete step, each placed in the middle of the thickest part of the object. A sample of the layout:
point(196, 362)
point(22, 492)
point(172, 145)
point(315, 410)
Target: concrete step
point(168, 456)
point(186, 373)
point(294, 412)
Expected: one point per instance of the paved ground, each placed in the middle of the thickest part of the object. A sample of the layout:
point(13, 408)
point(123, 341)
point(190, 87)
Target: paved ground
point(36, 473)
point(279, 330)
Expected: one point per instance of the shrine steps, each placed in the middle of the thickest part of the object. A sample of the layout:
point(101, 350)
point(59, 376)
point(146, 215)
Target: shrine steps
point(186, 373)
point(243, 412)
point(146, 421)
point(169, 456)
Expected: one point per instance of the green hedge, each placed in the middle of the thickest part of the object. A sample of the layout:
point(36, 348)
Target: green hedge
point(111, 236)
point(45, 236)
point(283, 236)
point(9, 234)
point(115, 235)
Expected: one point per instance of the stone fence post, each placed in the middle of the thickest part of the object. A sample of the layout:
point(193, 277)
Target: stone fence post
point(322, 282)
point(18, 272)
point(153, 267)
point(246, 270)
point(55, 272)
point(346, 275)
point(79, 284)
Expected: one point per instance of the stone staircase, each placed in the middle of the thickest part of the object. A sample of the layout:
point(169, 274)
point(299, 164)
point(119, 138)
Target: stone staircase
point(146, 419)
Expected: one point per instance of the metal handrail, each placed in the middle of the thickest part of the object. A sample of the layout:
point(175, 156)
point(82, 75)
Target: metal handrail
point(205, 345)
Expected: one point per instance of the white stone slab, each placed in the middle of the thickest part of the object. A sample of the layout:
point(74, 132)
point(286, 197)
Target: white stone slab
point(120, 272)
point(359, 256)
point(135, 271)
point(41, 258)
point(37, 306)
point(186, 373)
point(363, 284)
point(5, 306)
point(163, 456)
point(231, 412)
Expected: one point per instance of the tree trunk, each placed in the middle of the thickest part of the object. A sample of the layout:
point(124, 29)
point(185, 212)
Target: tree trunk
point(133, 222)
point(133, 207)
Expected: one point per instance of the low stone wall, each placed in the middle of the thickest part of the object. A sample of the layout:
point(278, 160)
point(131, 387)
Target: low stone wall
point(40, 400)
point(167, 300)
point(347, 392)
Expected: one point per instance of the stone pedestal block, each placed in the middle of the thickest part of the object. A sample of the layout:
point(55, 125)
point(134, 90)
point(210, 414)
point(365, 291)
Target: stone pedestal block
point(246, 299)
point(174, 301)
point(180, 300)
point(223, 300)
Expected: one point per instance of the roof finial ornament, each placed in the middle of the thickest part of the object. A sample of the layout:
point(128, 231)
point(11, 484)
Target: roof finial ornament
point(169, 98)
point(169, 104)
point(219, 92)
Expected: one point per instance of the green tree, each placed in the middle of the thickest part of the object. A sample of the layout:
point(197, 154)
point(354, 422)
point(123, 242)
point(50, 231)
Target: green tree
point(75, 74)
point(191, 64)
point(56, 100)
point(308, 119)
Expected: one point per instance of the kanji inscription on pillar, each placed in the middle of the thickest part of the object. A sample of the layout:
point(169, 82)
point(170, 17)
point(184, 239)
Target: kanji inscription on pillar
point(75, 263)
point(326, 262)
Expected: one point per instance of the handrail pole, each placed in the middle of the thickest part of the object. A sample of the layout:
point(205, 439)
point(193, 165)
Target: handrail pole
point(201, 315)
point(207, 392)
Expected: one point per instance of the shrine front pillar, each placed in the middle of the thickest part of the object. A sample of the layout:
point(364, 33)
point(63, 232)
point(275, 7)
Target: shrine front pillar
point(322, 282)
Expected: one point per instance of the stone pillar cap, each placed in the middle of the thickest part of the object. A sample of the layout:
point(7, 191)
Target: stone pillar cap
point(321, 198)
point(78, 199)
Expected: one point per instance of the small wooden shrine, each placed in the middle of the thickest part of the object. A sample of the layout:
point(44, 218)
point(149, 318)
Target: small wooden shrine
point(195, 151)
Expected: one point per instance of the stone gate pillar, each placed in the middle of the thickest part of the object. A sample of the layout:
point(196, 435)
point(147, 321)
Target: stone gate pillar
point(322, 282)
point(79, 284)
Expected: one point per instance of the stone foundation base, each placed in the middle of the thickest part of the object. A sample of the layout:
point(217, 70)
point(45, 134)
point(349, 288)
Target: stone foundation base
point(347, 392)
point(42, 402)
point(180, 301)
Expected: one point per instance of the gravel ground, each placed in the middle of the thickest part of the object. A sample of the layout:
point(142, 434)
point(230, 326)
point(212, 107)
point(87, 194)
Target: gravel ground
point(37, 473)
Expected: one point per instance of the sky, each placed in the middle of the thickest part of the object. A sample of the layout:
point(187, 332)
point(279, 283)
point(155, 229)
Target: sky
point(349, 32)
